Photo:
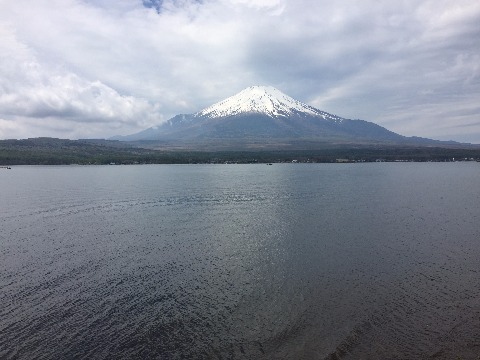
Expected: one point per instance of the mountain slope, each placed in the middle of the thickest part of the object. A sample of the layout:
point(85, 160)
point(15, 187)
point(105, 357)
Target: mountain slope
point(264, 114)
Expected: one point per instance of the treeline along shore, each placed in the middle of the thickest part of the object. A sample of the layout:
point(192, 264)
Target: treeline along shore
point(52, 151)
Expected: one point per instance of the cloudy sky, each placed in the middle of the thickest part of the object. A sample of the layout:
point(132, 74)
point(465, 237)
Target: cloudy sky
point(98, 68)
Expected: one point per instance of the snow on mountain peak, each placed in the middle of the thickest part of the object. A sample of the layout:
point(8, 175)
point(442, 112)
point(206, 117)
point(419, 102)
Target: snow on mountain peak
point(260, 99)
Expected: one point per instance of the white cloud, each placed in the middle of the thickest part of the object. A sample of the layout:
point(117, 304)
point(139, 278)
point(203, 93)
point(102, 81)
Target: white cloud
point(31, 91)
point(117, 67)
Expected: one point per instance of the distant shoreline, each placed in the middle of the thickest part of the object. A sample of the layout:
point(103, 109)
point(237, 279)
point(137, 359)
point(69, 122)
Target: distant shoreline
point(49, 151)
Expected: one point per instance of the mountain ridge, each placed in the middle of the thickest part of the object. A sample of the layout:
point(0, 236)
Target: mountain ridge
point(265, 114)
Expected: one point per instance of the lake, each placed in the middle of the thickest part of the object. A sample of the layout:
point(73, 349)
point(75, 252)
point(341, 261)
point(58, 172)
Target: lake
point(289, 261)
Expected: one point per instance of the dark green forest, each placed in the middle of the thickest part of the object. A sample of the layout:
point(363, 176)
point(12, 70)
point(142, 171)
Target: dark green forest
point(51, 151)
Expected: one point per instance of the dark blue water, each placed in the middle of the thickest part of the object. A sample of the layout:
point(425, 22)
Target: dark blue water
point(292, 261)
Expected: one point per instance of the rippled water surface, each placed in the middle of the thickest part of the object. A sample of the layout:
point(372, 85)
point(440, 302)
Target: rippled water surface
point(290, 261)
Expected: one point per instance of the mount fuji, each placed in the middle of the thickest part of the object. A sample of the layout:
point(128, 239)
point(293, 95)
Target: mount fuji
point(262, 116)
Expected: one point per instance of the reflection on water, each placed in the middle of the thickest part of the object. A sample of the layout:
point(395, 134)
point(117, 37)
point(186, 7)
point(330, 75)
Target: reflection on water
point(340, 261)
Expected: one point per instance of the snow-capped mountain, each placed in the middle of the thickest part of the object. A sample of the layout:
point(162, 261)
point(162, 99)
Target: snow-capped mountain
point(262, 115)
point(262, 100)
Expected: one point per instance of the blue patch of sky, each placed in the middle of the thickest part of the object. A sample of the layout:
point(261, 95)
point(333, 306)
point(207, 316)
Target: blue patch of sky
point(153, 4)
point(157, 4)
